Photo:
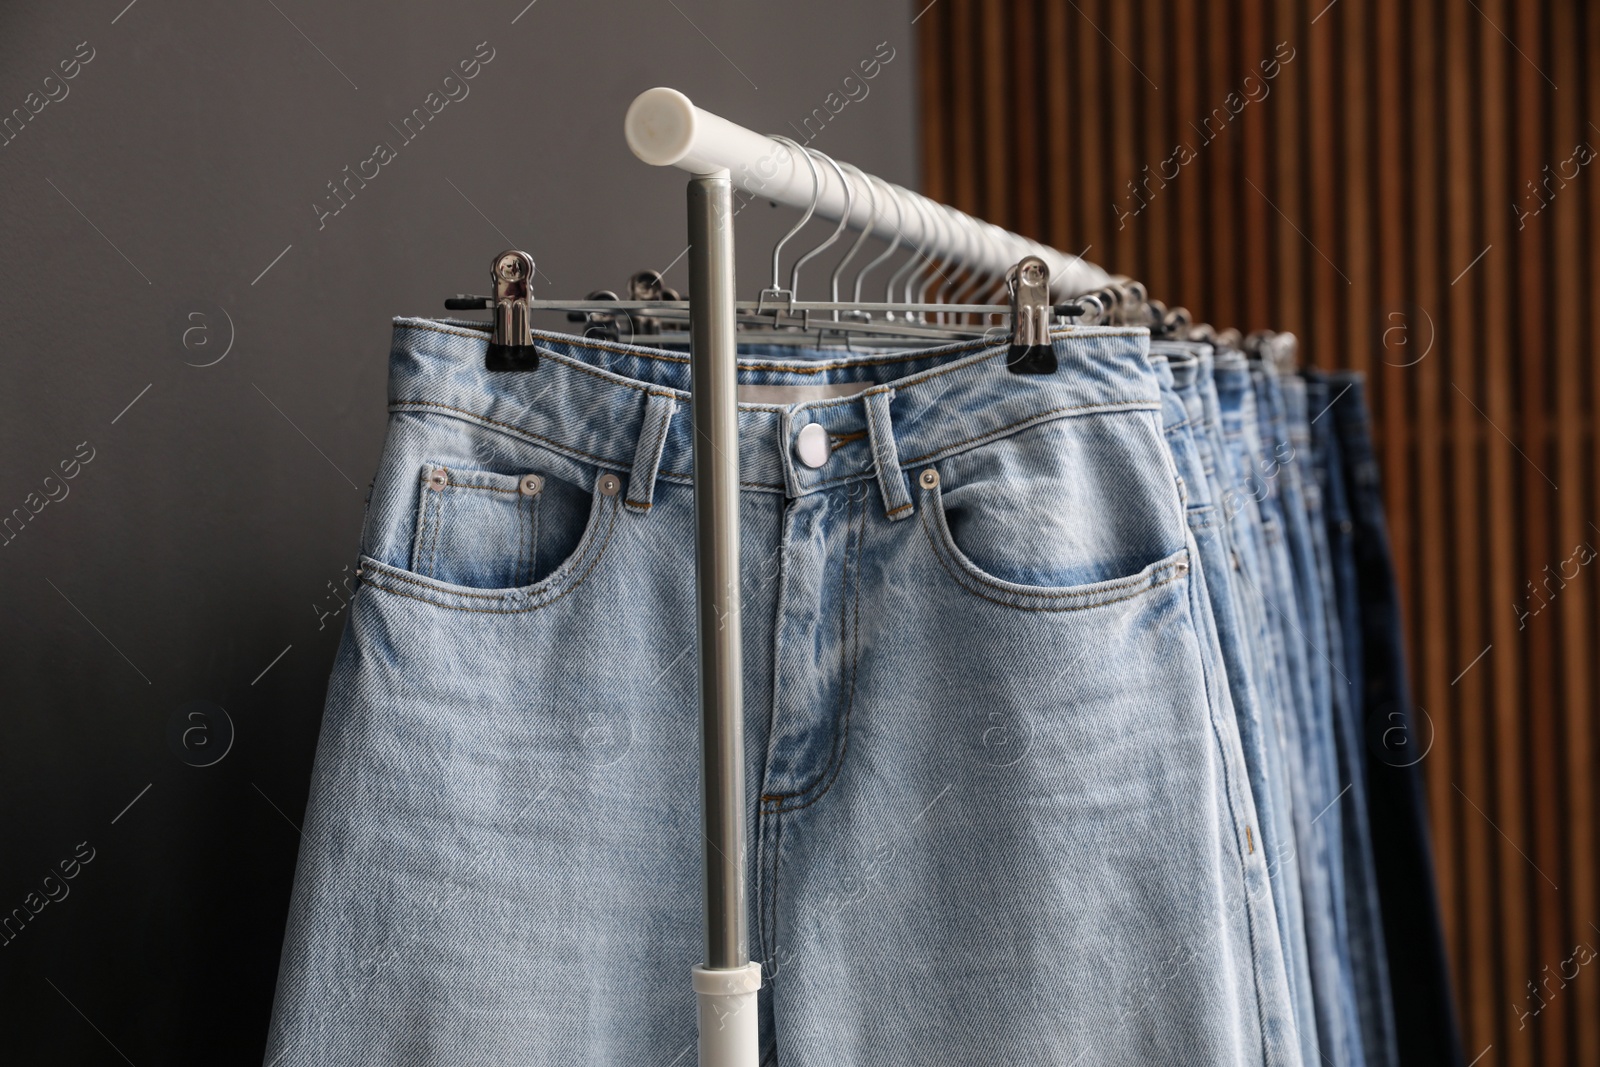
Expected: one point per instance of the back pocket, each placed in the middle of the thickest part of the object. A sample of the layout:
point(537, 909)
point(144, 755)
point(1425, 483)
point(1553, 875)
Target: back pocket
point(495, 531)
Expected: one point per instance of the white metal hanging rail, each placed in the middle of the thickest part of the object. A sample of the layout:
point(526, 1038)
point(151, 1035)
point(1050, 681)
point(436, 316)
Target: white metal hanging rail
point(664, 128)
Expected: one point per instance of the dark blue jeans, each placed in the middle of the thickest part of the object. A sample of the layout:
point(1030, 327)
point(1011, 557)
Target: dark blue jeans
point(1333, 535)
point(1423, 1009)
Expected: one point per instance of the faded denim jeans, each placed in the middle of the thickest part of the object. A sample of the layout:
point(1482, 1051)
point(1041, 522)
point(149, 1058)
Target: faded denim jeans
point(998, 807)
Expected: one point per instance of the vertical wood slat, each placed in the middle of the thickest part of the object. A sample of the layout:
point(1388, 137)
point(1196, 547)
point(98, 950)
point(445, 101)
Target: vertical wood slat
point(1254, 160)
point(1574, 843)
point(994, 201)
point(1484, 725)
point(1023, 46)
point(961, 33)
point(1155, 267)
point(1422, 322)
point(1502, 912)
point(1587, 267)
point(1061, 174)
point(1183, 96)
point(1327, 297)
point(1288, 173)
point(1394, 145)
point(1537, 828)
point(1118, 106)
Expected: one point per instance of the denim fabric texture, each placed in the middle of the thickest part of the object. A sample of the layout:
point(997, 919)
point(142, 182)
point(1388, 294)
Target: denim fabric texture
point(1317, 819)
point(1209, 528)
point(1240, 428)
point(1303, 509)
point(1333, 533)
point(1233, 583)
point(999, 808)
point(1398, 736)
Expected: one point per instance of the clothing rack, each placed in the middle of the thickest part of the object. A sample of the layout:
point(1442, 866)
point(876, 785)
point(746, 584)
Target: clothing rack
point(664, 128)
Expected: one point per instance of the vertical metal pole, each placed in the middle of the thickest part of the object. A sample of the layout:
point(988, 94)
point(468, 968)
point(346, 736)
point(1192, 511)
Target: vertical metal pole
point(728, 982)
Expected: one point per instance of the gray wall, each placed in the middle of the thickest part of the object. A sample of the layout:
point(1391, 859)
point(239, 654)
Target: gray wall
point(194, 376)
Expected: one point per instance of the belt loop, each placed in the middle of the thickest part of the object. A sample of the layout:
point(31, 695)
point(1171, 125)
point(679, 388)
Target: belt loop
point(658, 412)
point(896, 496)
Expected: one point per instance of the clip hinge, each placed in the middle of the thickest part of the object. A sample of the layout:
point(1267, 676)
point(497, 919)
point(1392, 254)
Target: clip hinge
point(511, 344)
point(1029, 283)
point(649, 285)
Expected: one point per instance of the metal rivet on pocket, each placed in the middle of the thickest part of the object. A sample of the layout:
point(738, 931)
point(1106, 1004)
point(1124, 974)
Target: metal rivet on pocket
point(929, 479)
point(609, 484)
point(530, 485)
point(438, 479)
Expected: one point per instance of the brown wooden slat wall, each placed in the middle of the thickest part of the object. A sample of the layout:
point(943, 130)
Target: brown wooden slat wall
point(1370, 203)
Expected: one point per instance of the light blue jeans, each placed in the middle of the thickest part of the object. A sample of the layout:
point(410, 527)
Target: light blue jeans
point(998, 812)
point(1184, 433)
point(1231, 580)
point(1263, 614)
point(1318, 829)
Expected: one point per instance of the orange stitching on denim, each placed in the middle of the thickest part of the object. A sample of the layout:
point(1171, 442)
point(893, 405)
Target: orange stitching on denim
point(438, 524)
point(483, 488)
point(1000, 587)
point(1139, 404)
point(609, 377)
point(1070, 607)
point(603, 461)
point(452, 333)
point(900, 508)
point(1147, 580)
point(525, 522)
point(598, 553)
point(656, 449)
point(841, 746)
point(746, 485)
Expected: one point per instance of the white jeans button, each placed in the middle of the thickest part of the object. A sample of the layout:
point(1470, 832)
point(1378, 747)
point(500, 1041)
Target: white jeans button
point(812, 445)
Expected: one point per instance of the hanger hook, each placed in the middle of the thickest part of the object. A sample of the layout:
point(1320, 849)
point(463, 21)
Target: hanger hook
point(952, 261)
point(872, 217)
point(844, 219)
point(899, 218)
point(942, 238)
point(1007, 246)
point(971, 245)
point(911, 260)
point(979, 274)
point(816, 193)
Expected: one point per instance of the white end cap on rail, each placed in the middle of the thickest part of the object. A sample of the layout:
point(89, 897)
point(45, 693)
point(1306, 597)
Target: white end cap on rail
point(665, 129)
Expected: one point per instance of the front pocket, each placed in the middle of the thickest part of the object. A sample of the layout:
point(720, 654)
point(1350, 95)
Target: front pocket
point(1065, 515)
point(1069, 503)
point(980, 583)
point(485, 530)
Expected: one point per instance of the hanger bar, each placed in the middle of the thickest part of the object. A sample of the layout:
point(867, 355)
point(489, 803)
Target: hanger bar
point(664, 128)
point(486, 303)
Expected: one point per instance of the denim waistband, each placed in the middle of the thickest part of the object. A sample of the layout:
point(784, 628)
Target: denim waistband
point(624, 407)
point(1191, 371)
point(1235, 392)
point(1297, 413)
point(1349, 409)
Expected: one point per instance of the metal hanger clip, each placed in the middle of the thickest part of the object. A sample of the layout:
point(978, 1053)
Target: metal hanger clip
point(1031, 311)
